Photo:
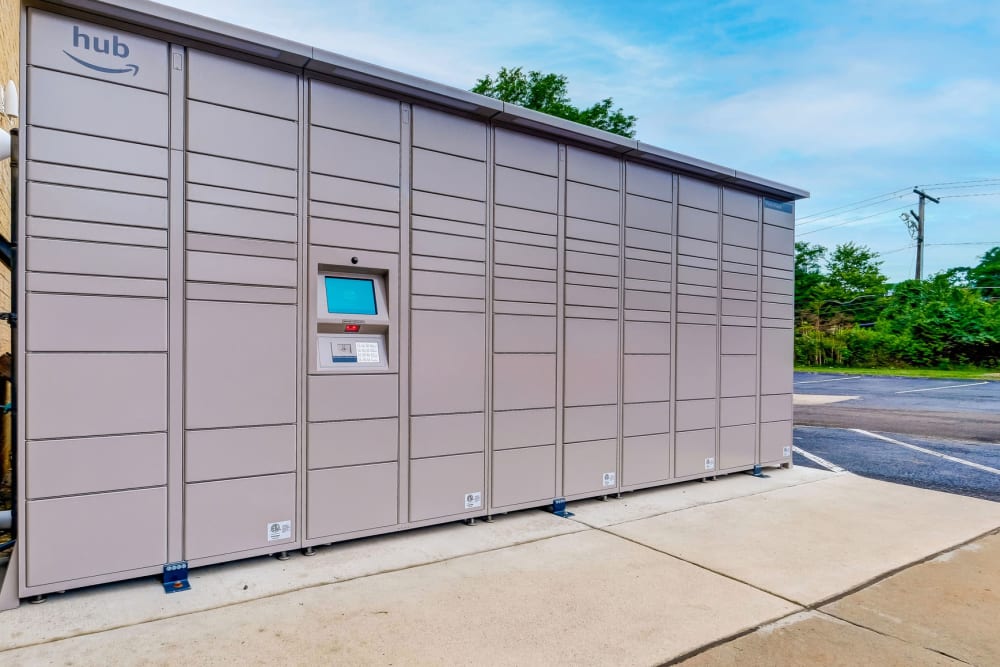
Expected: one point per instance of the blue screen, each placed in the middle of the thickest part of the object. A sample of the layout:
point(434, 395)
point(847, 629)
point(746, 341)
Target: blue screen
point(350, 296)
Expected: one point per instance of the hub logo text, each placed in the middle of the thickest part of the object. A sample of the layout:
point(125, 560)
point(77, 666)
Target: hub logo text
point(111, 47)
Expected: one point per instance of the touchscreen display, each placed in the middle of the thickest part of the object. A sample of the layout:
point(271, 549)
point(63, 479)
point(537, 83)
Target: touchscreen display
point(350, 296)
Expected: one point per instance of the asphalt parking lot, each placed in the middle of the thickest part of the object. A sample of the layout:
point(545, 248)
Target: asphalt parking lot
point(934, 434)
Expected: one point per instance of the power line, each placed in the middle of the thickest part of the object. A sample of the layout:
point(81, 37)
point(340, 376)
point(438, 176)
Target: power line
point(847, 222)
point(977, 194)
point(833, 212)
point(978, 180)
point(997, 243)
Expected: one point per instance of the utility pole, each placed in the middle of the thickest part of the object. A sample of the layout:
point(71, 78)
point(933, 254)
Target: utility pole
point(920, 230)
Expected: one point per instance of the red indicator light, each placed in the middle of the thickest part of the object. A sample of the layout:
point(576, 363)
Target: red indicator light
point(352, 328)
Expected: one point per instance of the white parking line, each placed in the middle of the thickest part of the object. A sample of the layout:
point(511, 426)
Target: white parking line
point(855, 377)
point(953, 459)
point(819, 460)
point(947, 386)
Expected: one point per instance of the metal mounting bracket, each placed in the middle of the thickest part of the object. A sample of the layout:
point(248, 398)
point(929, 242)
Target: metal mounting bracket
point(175, 577)
point(559, 508)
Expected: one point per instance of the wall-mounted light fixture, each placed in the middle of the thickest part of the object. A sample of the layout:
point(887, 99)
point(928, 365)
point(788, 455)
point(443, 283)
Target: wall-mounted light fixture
point(9, 109)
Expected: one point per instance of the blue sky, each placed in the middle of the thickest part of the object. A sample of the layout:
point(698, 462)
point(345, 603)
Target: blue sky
point(849, 100)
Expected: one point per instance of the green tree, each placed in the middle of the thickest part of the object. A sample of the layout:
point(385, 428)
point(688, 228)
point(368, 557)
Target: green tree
point(548, 93)
point(986, 275)
point(809, 278)
point(855, 282)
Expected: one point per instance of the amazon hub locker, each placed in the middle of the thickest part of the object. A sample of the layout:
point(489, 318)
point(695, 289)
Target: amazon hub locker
point(271, 297)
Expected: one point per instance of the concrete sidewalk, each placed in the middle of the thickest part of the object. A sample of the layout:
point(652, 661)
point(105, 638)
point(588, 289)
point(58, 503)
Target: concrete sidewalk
point(736, 571)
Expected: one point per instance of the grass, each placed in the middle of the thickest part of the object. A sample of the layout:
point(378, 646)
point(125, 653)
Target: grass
point(955, 373)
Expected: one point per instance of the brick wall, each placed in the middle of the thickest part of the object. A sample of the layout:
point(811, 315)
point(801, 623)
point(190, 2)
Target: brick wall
point(10, 27)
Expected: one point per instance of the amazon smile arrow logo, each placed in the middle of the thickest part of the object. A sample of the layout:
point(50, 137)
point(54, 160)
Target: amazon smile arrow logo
point(113, 47)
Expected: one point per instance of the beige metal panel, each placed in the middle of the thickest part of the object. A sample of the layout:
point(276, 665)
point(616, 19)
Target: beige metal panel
point(739, 308)
point(691, 450)
point(110, 111)
point(524, 428)
point(647, 377)
point(739, 375)
point(779, 239)
point(522, 151)
point(697, 414)
point(696, 361)
point(527, 190)
point(368, 216)
point(739, 340)
point(584, 295)
point(235, 83)
point(505, 217)
point(777, 286)
point(591, 313)
point(696, 304)
point(344, 500)
point(525, 255)
point(696, 248)
point(591, 279)
point(63, 400)
point(350, 443)
point(62, 323)
point(645, 458)
point(248, 136)
point(592, 231)
point(774, 438)
point(648, 181)
point(439, 486)
point(53, 38)
point(696, 318)
point(241, 199)
point(739, 295)
point(449, 175)
point(520, 333)
point(351, 110)
point(577, 245)
point(585, 465)
point(732, 253)
point(591, 362)
point(451, 227)
point(776, 361)
point(648, 255)
point(238, 452)
point(776, 408)
point(780, 218)
point(585, 166)
point(419, 263)
point(737, 321)
point(450, 208)
point(734, 411)
point(94, 152)
point(777, 310)
point(241, 222)
point(771, 272)
point(740, 281)
point(528, 238)
point(523, 476)
point(593, 203)
point(448, 284)
point(590, 263)
point(643, 300)
point(739, 267)
point(242, 246)
point(59, 526)
point(696, 276)
point(234, 352)
point(235, 515)
point(337, 153)
point(250, 294)
point(740, 232)
point(693, 223)
point(354, 193)
point(698, 262)
point(445, 245)
point(595, 422)
point(512, 392)
point(58, 174)
point(237, 174)
point(650, 214)
point(645, 418)
point(447, 362)
point(635, 268)
point(448, 133)
point(698, 194)
point(638, 238)
point(739, 203)
point(223, 268)
point(777, 260)
point(737, 446)
point(444, 435)
point(91, 465)
point(778, 298)
point(647, 337)
point(97, 232)
point(647, 315)
point(117, 208)
point(66, 283)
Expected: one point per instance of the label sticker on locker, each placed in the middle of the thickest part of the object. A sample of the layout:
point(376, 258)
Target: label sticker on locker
point(367, 352)
point(710, 463)
point(279, 530)
point(473, 500)
point(786, 451)
point(608, 479)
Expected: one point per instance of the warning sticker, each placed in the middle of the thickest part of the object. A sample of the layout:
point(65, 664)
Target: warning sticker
point(279, 530)
point(786, 451)
point(608, 479)
point(710, 463)
point(473, 500)
point(367, 352)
